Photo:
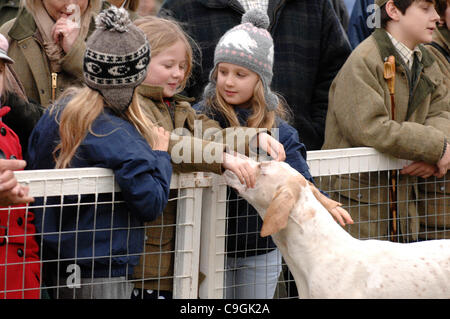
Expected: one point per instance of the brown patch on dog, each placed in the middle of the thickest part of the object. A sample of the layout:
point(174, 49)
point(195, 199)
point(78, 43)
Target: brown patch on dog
point(283, 201)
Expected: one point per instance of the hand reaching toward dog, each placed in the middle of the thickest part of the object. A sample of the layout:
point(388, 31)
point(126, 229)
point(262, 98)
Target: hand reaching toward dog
point(334, 208)
point(241, 167)
point(271, 146)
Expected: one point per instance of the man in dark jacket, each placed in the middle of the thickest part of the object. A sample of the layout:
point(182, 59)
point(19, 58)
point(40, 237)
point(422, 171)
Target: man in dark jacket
point(310, 48)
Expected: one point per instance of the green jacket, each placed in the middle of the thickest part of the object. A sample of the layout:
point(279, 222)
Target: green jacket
point(31, 63)
point(359, 115)
point(441, 37)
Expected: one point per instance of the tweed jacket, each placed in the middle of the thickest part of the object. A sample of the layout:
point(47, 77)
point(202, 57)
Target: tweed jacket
point(422, 120)
point(441, 37)
point(435, 197)
point(310, 48)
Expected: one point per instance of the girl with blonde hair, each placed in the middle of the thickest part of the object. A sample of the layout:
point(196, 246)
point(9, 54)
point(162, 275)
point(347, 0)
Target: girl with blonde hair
point(102, 125)
point(239, 94)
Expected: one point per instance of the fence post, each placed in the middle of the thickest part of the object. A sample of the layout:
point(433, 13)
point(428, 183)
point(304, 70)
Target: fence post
point(212, 256)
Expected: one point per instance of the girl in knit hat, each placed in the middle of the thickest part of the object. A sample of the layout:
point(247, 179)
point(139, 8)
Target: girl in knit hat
point(239, 94)
point(102, 125)
point(169, 71)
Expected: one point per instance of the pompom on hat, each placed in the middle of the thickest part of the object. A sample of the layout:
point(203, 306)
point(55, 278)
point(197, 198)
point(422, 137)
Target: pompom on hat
point(116, 58)
point(249, 45)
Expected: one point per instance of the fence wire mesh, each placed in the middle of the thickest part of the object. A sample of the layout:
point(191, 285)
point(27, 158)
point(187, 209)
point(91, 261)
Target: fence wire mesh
point(208, 246)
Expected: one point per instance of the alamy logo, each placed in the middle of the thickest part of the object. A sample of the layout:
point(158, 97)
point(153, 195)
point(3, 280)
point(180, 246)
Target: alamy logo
point(74, 279)
point(374, 19)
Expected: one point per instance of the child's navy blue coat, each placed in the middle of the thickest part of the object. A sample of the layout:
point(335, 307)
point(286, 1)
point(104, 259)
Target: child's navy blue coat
point(143, 176)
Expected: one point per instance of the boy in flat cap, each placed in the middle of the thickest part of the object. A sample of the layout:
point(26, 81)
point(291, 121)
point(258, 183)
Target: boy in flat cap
point(410, 122)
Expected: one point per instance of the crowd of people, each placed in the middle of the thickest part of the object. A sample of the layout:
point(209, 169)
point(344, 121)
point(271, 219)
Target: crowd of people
point(92, 83)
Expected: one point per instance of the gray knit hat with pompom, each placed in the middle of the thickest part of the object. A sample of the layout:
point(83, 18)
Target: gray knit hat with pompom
point(116, 58)
point(249, 45)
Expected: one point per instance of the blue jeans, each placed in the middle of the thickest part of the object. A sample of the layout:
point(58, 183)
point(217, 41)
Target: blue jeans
point(253, 277)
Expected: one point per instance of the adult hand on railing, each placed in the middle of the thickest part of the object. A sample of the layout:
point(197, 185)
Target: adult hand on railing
point(444, 163)
point(161, 139)
point(11, 192)
point(420, 169)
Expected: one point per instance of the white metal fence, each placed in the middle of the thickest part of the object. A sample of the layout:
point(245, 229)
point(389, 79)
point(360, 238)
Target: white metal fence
point(201, 251)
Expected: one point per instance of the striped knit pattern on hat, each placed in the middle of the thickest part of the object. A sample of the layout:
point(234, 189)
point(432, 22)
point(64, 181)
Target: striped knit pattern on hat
point(249, 45)
point(116, 58)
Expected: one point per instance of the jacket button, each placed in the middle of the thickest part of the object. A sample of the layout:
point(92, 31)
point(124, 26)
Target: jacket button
point(20, 252)
point(19, 221)
point(3, 131)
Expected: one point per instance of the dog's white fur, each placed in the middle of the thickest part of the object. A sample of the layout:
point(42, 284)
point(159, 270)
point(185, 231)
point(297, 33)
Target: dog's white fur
point(326, 261)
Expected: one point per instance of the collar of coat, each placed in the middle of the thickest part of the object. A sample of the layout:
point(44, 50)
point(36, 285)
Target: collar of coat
point(156, 93)
point(443, 34)
point(387, 49)
point(25, 27)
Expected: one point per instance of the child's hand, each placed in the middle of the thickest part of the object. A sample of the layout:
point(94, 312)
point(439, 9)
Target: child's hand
point(341, 216)
point(241, 167)
point(444, 163)
point(420, 169)
point(161, 139)
point(11, 192)
point(271, 146)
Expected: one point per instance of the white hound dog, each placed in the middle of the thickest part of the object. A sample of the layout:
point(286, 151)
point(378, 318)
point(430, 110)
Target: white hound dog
point(324, 259)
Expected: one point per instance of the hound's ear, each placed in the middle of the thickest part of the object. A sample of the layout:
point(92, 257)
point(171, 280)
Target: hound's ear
point(283, 201)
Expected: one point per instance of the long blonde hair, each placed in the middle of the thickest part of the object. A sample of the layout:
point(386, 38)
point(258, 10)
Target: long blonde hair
point(163, 33)
point(78, 116)
point(260, 117)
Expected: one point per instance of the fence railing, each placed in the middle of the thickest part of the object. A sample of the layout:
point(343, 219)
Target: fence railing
point(201, 251)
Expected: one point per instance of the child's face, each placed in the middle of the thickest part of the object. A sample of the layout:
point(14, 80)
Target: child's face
point(168, 69)
point(236, 84)
point(417, 24)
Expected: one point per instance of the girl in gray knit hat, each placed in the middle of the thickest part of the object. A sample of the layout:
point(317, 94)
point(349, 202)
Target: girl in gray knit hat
point(239, 94)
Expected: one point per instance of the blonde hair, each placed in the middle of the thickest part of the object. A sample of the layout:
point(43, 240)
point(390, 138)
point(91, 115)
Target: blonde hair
point(260, 118)
point(78, 116)
point(163, 33)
